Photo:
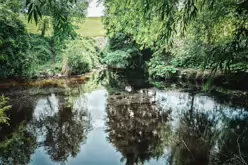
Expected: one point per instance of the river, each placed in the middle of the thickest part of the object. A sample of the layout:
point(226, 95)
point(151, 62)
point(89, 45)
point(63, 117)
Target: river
point(112, 120)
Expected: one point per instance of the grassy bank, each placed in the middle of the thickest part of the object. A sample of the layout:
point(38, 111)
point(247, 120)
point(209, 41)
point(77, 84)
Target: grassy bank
point(91, 27)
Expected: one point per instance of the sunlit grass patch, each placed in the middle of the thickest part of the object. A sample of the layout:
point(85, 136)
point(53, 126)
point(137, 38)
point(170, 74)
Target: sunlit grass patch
point(91, 27)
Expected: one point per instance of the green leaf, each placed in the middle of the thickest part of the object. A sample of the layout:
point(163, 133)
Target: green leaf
point(35, 16)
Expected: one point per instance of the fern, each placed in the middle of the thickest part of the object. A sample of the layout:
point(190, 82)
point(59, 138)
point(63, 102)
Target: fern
point(3, 108)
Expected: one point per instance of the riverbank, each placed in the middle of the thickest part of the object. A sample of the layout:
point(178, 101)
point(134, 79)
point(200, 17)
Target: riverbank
point(119, 82)
point(54, 81)
point(206, 79)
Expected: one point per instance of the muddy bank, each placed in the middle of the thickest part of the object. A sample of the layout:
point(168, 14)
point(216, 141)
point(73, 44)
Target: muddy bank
point(45, 82)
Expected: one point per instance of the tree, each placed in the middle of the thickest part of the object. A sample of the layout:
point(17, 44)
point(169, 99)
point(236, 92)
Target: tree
point(62, 13)
point(157, 23)
point(168, 12)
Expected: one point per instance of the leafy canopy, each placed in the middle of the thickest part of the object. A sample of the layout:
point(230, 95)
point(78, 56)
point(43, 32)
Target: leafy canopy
point(169, 13)
point(62, 12)
point(218, 29)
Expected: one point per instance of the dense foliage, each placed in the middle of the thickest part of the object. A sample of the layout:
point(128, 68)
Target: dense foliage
point(216, 39)
point(21, 54)
point(40, 49)
point(202, 34)
point(159, 69)
point(123, 52)
point(14, 5)
point(80, 56)
point(61, 12)
point(29, 55)
point(14, 45)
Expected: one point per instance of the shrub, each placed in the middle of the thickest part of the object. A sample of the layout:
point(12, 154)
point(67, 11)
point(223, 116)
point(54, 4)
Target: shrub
point(120, 41)
point(123, 52)
point(189, 54)
point(80, 56)
point(40, 48)
point(117, 59)
point(157, 67)
point(14, 59)
point(125, 58)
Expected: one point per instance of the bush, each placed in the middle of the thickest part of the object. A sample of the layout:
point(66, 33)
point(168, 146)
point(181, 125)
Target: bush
point(189, 54)
point(157, 67)
point(40, 48)
point(124, 58)
point(123, 52)
point(117, 59)
point(14, 57)
point(120, 41)
point(80, 56)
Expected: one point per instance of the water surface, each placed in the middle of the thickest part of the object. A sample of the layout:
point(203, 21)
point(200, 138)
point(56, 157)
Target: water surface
point(113, 122)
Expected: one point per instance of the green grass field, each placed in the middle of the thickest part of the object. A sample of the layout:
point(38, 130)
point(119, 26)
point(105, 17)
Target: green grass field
point(91, 27)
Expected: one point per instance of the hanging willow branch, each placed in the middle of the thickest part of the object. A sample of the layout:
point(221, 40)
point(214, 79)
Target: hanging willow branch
point(60, 11)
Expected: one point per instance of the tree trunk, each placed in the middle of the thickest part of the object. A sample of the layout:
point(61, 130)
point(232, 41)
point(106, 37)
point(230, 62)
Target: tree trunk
point(43, 32)
point(52, 51)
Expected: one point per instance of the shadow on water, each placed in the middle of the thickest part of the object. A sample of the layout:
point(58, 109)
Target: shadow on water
point(115, 119)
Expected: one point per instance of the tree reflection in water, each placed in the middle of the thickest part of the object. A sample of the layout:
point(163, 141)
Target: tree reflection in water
point(18, 149)
point(64, 130)
point(195, 138)
point(17, 141)
point(136, 127)
point(198, 131)
point(210, 138)
point(232, 146)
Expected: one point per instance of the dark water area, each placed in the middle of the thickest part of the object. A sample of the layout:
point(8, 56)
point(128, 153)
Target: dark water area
point(114, 120)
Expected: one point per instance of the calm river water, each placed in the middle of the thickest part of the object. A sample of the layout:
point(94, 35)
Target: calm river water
point(109, 121)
